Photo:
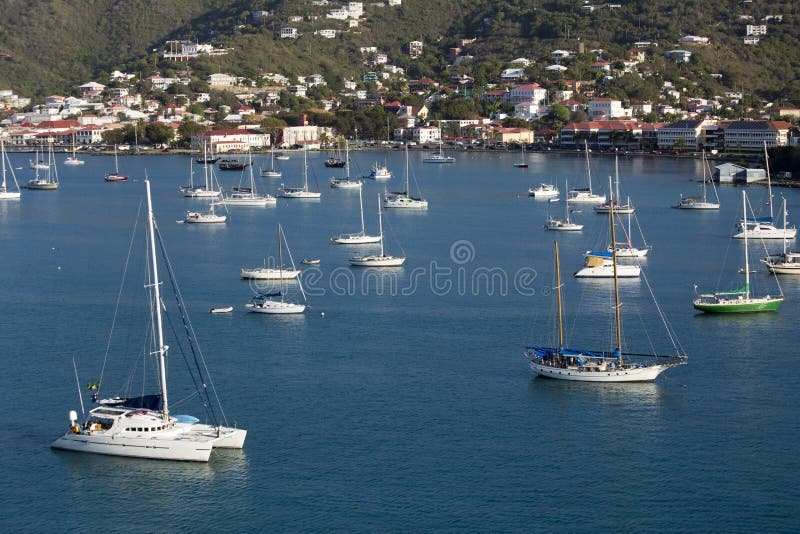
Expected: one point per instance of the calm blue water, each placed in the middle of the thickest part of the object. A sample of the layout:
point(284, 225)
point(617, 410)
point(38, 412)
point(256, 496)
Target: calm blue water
point(408, 405)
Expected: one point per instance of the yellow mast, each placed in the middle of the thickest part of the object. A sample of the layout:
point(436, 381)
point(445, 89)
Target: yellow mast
point(616, 282)
point(558, 289)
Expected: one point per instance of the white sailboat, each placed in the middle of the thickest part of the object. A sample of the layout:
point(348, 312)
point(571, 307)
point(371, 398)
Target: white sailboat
point(565, 224)
point(274, 302)
point(378, 260)
point(345, 182)
point(272, 172)
point(786, 262)
point(702, 202)
point(544, 191)
point(73, 159)
point(738, 300)
point(359, 238)
point(606, 264)
point(619, 209)
point(210, 217)
point(579, 365)
point(271, 273)
point(300, 192)
point(207, 190)
point(49, 180)
point(625, 248)
point(143, 427)
point(115, 176)
point(5, 193)
point(379, 172)
point(404, 199)
point(247, 196)
point(764, 227)
point(438, 157)
point(585, 195)
point(523, 164)
point(38, 162)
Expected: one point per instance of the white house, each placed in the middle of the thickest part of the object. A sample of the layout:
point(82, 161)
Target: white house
point(756, 29)
point(560, 54)
point(693, 39)
point(289, 33)
point(338, 14)
point(512, 74)
point(426, 134)
point(219, 79)
point(297, 90)
point(528, 92)
point(607, 108)
point(327, 33)
point(415, 49)
point(519, 62)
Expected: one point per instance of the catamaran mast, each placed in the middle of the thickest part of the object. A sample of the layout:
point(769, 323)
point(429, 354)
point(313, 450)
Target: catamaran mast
point(161, 350)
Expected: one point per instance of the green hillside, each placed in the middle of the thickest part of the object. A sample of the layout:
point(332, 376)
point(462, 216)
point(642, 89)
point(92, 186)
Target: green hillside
point(54, 45)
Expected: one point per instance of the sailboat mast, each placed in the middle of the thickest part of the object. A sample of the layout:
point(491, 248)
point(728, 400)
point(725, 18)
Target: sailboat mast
point(746, 254)
point(769, 183)
point(361, 209)
point(407, 192)
point(784, 215)
point(558, 293)
point(280, 260)
point(161, 349)
point(617, 318)
point(380, 222)
point(616, 176)
point(3, 156)
point(588, 167)
point(305, 168)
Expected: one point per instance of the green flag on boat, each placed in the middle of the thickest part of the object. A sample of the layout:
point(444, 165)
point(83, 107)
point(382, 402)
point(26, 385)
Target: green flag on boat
point(93, 385)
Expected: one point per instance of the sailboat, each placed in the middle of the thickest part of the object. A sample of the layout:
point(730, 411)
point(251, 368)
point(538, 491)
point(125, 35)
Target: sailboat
point(48, 182)
point(272, 172)
point(5, 194)
point(619, 209)
point(764, 227)
point(404, 199)
point(522, 163)
point(208, 157)
point(115, 176)
point(345, 182)
point(378, 260)
point(585, 195)
point(274, 302)
point(738, 300)
point(335, 158)
point(210, 217)
point(73, 159)
point(581, 365)
point(786, 262)
point(247, 196)
point(438, 157)
point(206, 190)
point(144, 427)
point(624, 249)
point(300, 192)
point(701, 203)
point(562, 225)
point(361, 237)
point(38, 162)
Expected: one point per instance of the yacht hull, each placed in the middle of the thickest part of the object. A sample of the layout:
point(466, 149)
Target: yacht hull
point(576, 374)
point(743, 305)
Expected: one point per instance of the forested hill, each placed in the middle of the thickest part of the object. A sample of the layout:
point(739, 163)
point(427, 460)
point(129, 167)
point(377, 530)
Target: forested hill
point(50, 46)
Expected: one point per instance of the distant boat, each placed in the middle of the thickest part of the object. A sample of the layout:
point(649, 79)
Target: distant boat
point(403, 199)
point(73, 159)
point(619, 209)
point(702, 202)
point(207, 190)
point(359, 238)
point(335, 158)
point(247, 196)
point(282, 157)
point(306, 261)
point(738, 300)
point(208, 157)
point(272, 172)
point(565, 224)
point(786, 262)
point(232, 164)
point(38, 162)
point(581, 365)
point(345, 182)
point(274, 302)
point(196, 217)
point(226, 309)
point(300, 192)
point(522, 163)
point(585, 195)
point(379, 172)
point(378, 260)
point(543, 191)
point(764, 227)
point(5, 194)
point(438, 157)
point(115, 176)
point(49, 181)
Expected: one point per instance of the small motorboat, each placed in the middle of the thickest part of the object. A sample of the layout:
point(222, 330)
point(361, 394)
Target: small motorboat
point(226, 309)
point(305, 261)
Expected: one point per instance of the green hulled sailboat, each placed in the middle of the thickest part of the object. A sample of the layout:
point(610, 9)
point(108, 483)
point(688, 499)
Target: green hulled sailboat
point(738, 300)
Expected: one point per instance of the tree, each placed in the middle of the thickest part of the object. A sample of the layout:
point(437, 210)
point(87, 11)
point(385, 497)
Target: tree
point(189, 129)
point(159, 134)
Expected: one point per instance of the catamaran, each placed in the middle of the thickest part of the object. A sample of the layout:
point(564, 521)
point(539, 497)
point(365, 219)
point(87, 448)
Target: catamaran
point(144, 427)
point(378, 260)
point(359, 238)
point(738, 300)
point(585, 195)
point(702, 202)
point(5, 194)
point(764, 227)
point(617, 365)
point(274, 302)
point(404, 199)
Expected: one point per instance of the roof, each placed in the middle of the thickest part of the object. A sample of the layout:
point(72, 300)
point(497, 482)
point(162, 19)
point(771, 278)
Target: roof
point(526, 87)
point(683, 125)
